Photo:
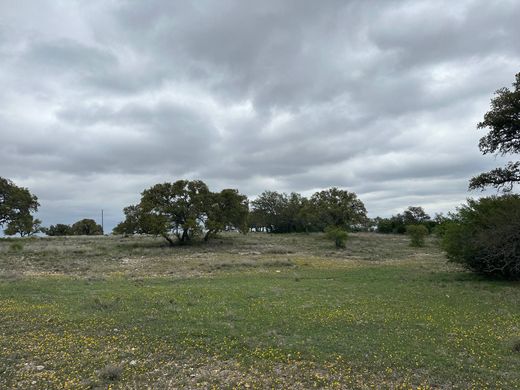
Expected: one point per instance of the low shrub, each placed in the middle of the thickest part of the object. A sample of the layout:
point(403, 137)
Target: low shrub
point(111, 373)
point(485, 236)
point(16, 246)
point(338, 235)
point(417, 234)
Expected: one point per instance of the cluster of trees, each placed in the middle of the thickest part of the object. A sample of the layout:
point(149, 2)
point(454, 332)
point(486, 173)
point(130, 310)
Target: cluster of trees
point(276, 212)
point(413, 215)
point(84, 227)
point(186, 209)
point(16, 206)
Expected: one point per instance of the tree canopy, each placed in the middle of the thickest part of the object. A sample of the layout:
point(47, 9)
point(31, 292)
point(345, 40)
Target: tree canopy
point(59, 229)
point(336, 207)
point(185, 209)
point(281, 213)
point(503, 122)
point(413, 215)
point(16, 206)
point(86, 227)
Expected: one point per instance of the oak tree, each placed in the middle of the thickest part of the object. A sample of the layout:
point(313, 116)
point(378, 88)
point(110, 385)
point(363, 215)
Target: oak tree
point(503, 122)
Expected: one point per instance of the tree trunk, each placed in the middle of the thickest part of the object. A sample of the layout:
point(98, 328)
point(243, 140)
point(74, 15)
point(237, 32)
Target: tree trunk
point(167, 238)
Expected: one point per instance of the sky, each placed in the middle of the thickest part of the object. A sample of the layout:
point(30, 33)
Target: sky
point(100, 100)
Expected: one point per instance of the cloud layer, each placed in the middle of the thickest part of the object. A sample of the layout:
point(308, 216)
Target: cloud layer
point(100, 100)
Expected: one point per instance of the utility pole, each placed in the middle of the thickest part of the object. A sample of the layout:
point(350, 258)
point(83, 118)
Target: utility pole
point(102, 226)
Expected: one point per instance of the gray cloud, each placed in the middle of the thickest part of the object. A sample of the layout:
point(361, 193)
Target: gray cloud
point(100, 100)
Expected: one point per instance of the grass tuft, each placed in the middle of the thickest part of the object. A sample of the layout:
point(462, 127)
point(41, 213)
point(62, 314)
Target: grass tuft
point(111, 373)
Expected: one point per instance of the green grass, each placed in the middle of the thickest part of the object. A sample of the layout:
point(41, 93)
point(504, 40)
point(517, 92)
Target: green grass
point(257, 311)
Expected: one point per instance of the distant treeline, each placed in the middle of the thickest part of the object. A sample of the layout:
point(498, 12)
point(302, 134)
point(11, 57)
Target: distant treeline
point(85, 227)
point(185, 209)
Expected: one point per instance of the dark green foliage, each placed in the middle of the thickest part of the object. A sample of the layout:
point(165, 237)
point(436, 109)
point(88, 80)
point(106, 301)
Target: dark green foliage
point(485, 236)
point(393, 225)
point(179, 207)
point(417, 234)
point(336, 207)
point(413, 215)
point(277, 212)
point(132, 223)
point(225, 209)
point(338, 235)
point(503, 120)
point(16, 206)
point(86, 227)
point(281, 213)
point(441, 224)
point(185, 209)
point(59, 229)
point(24, 225)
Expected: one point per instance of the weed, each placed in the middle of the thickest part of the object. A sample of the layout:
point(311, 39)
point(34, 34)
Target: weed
point(16, 246)
point(106, 304)
point(111, 373)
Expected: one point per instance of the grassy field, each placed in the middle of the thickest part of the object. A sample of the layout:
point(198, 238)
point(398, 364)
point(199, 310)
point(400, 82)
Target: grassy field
point(255, 311)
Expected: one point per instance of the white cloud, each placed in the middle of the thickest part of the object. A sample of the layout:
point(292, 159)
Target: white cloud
point(100, 100)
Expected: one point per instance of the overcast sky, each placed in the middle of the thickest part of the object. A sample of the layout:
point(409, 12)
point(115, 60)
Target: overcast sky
point(102, 99)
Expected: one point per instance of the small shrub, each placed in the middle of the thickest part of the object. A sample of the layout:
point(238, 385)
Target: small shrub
point(338, 235)
point(111, 373)
point(485, 236)
point(16, 246)
point(417, 234)
point(106, 304)
point(516, 346)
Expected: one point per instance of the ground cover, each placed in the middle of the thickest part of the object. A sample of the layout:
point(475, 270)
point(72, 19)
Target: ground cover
point(257, 311)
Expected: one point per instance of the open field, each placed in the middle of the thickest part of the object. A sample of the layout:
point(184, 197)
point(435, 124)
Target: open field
point(255, 311)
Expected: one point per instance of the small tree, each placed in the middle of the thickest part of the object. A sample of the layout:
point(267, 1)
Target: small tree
point(417, 234)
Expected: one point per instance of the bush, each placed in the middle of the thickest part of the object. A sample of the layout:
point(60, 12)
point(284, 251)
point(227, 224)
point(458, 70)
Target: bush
point(338, 235)
point(485, 236)
point(16, 246)
point(111, 373)
point(417, 234)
